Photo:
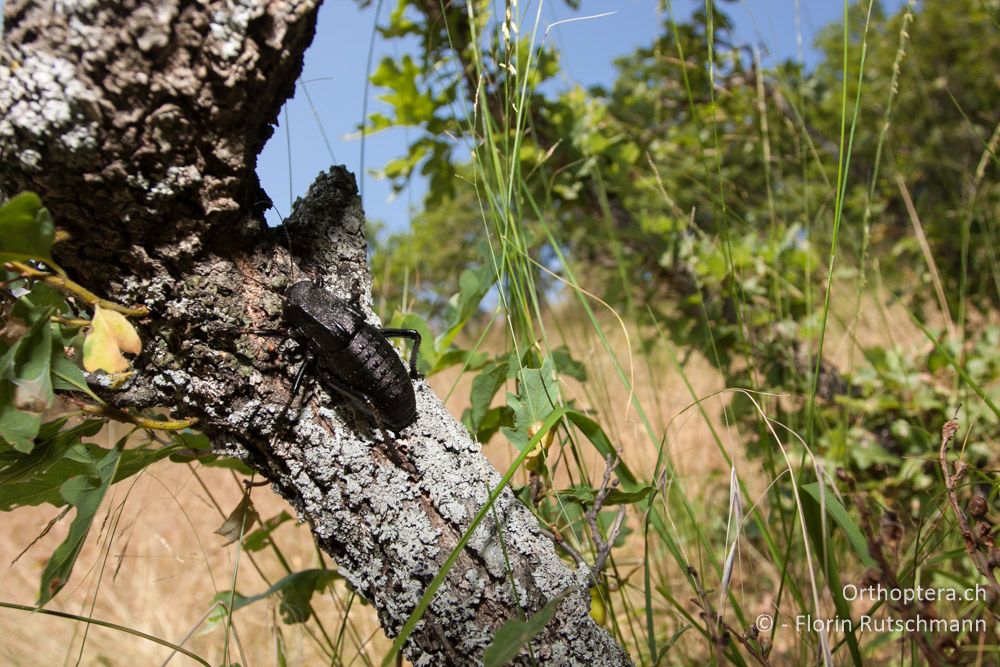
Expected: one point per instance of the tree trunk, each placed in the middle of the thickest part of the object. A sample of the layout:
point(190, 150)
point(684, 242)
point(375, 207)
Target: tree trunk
point(139, 124)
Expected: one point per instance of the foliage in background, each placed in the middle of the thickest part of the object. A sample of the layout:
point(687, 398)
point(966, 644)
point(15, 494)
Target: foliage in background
point(703, 202)
point(695, 196)
point(633, 178)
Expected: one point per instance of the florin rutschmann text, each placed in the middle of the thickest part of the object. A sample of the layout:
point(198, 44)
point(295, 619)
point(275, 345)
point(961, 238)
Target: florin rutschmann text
point(866, 623)
point(880, 594)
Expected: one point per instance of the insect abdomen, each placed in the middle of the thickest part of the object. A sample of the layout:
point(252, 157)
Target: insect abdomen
point(370, 365)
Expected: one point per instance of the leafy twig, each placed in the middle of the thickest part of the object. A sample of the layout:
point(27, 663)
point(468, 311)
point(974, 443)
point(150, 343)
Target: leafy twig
point(560, 542)
point(64, 284)
point(138, 420)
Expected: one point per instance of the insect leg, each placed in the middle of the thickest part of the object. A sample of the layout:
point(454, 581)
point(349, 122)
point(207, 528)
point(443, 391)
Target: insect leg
point(306, 363)
point(363, 400)
point(413, 335)
point(247, 331)
point(264, 332)
point(299, 375)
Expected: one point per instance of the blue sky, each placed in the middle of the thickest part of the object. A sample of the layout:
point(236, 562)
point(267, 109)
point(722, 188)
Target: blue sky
point(335, 67)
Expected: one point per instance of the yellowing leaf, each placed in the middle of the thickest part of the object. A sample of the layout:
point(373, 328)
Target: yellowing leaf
point(110, 335)
point(536, 458)
point(597, 609)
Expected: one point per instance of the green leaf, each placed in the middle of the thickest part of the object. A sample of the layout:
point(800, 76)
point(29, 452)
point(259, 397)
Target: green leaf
point(259, 538)
point(32, 371)
point(593, 432)
point(85, 493)
point(467, 358)
point(586, 495)
point(567, 365)
point(484, 387)
point(951, 361)
point(827, 555)
point(836, 511)
point(296, 594)
point(26, 386)
point(667, 645)
point(16, 427)
point(137, 459)
point(399, 25)
point(39, 303)
point(538, 396)
point(36, 478)
point(26, 229)
point(376, 123)
point(491, 423)
point(66, 375)
point(402, 167)
point(296, 591)
point(515, 634)
point(410, 105)
point(473, 286)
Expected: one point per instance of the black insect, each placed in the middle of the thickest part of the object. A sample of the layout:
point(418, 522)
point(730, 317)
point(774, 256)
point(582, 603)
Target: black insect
point(353, 357)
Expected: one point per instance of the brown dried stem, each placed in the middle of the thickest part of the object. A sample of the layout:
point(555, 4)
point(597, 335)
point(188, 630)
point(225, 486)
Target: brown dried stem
point(969, 538)
point(603, 545)
point(887, 574)
point(714, 625)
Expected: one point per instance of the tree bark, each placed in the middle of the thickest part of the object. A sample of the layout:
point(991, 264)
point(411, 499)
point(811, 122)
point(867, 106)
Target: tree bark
point(139, 124)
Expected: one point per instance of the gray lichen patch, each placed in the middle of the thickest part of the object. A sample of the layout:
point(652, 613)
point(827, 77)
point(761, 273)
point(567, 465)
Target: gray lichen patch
point(43, 105)
point(228, 27)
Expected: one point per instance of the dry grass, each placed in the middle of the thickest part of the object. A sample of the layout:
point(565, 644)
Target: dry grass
point(164, 567)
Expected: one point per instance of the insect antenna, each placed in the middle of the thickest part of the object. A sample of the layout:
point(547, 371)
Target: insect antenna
point(288, 242)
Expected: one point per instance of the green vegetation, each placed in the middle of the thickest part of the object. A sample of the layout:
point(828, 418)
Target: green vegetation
point(817, 246)
point(825, 239)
